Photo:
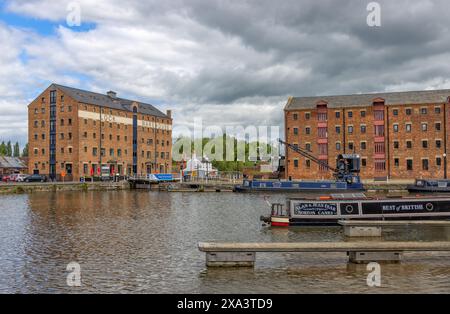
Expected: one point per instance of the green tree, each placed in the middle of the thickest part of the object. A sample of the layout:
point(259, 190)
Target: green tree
point(3, 149)
point(9, 149)
point(25, 151)
point(16, 150)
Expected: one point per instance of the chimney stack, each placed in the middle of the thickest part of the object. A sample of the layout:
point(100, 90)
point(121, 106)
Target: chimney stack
point(112, 94)
point(169, 113)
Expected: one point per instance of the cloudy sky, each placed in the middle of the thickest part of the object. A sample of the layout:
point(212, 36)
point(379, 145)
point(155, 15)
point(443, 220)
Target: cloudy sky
point(230, 62)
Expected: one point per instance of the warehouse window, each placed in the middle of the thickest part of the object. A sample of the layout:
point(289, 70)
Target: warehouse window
point(296, 163)
point(438, 144)
point(338, 114)
point(363, 145)
point(425, 164)
point(424, 127)
point(424, 144)
point(322, 116)
point(364, 162)
point(350, 129)
point(295, 116)
point(409, 164)
point(437, 110)
point(308, 163)
point(322, 132)
point(437, 126)
point(350, 114)
point(395, 128)
point(338, 146)
point(396, 162)
point(307, 116)
point(323, 166)
point(307, 131)
point(295, 131)
point(438, 161)
point(408, 144)
point(379, 115)
point(380, 165)
point(363, 114)
point(408, 127)
point(351, 146)
point(379, 130)
point(338, 130)
point(363, 128)
point(323, 149)
point(379, 148)
point(395, 112)
point(396, 144)
point(423, 110)
point(408, 111)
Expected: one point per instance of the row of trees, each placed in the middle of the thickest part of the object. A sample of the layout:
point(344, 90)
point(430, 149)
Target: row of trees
point(10, 150)
point(224, 164)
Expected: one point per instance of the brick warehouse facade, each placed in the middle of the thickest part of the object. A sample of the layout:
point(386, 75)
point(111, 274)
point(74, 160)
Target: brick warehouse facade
point(76, 131)
point(400, 135)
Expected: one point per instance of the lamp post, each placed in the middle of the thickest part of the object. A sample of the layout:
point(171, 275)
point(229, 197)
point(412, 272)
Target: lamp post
point(206, 161)
point(445, 166)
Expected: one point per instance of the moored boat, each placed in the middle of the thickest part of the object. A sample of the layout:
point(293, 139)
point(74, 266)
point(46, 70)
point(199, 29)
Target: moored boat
point(430, 186)
point(299, 186)
point(330, 209)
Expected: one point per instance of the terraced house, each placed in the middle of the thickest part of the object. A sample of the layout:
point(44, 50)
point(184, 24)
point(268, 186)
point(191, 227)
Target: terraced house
point(402, 135)
point(76, 133)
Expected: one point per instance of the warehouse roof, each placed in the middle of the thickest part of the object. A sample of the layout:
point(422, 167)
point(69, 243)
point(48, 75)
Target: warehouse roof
point(11, 163)
point(362, 100)
point(108, 101)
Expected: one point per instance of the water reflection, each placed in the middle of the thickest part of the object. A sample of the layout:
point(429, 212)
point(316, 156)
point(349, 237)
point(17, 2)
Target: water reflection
point(132, 241)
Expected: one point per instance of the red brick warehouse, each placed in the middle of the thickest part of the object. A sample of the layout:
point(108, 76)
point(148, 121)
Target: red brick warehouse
point(76, 131)
point(401, 135)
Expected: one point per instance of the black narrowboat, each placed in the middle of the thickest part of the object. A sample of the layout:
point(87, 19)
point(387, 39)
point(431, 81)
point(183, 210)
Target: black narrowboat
point(430, 186)
point(329, 210)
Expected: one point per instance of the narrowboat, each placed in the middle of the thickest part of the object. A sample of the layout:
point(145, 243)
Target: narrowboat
point(430, 186)
point(299, 186)
point(329, 210)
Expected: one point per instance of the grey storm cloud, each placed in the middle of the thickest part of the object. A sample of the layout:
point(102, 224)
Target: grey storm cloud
point(208, 57)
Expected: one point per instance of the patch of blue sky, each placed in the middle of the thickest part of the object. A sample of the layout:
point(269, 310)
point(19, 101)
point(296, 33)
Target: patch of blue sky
point(40, 26)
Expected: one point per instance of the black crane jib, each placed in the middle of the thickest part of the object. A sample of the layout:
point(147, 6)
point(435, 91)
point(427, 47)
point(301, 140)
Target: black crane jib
point(306, 154)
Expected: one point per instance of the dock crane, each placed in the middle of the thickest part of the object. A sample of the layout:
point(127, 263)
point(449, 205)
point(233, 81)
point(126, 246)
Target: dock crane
point(348, 166)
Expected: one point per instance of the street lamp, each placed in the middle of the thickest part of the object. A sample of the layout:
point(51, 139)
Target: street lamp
point(445, 165)
point(206, 160)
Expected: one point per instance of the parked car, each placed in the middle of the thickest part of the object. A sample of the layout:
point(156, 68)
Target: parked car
point(13, 177)
point(21, 177)
point(5, 179)
point(36, 178)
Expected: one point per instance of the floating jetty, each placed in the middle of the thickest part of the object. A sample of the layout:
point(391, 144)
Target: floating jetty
point(244, 254)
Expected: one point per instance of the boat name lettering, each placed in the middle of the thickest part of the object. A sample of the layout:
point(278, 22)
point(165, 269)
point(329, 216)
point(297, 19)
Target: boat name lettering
point(399, 208)
point(315, 209)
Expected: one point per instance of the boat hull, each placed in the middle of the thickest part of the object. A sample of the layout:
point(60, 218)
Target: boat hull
point(427, 189)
